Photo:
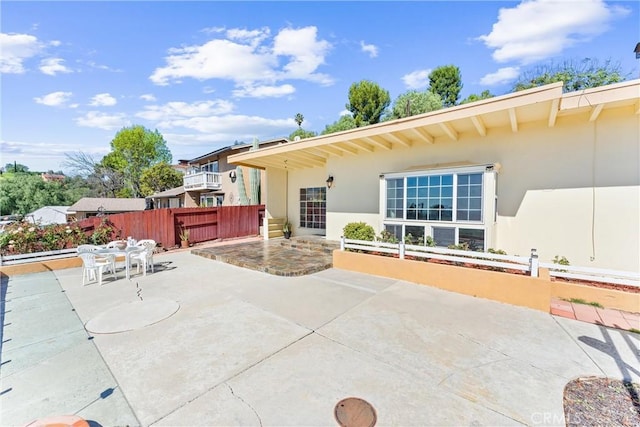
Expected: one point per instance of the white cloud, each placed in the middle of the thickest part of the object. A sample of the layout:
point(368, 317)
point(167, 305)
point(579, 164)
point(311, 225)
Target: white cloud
point(235, 126)
point(417, 79)
point(93, 64)
point(264, 91)
point(54, 99)
point(96, 119)
point(208, 89)
point(52, 66)
point(251, 37)
point(55, 43)
point(103, 100)
point(539, 29)
point(371, 49)
point(15, 49)
point(42, 156)
point(148, 97)
point(175, 111)
point(503, 75)
point(246, 58)
point(307, 53)
point(345, 113)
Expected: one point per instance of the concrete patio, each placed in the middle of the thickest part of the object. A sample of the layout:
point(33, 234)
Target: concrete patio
point(203, 343)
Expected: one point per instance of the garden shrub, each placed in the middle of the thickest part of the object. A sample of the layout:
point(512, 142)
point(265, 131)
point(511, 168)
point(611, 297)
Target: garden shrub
point(359, 231)
point(387, 237)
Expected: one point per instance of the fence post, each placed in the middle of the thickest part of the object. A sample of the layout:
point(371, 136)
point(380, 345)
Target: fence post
point(265, 227)
point(534, 263)
point(401, 250)
point(342, 243)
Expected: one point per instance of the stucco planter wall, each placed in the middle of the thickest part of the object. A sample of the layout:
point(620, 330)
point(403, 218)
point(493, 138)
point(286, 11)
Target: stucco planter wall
point(41, 266)
point(524, 291)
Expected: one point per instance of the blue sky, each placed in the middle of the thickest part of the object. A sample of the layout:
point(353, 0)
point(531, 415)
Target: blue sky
point(206, 74)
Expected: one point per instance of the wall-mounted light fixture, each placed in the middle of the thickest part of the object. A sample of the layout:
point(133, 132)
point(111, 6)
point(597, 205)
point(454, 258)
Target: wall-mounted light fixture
point(232, 175)
point(330, 181)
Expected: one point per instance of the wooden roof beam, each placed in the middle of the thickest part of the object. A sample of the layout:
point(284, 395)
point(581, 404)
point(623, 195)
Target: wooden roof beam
point(596, 112)
point(513, 119)
point(449, 130)
point(423, 134)
point(479, 124)
point(330, 149)
point(317, 152)
point(399, 140)
point(378, 142)
point(306, 159)
point(553, 114)
point(360, 145)
point(348, 150)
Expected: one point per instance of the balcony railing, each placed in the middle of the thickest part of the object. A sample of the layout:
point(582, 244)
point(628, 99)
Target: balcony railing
point(203, 181)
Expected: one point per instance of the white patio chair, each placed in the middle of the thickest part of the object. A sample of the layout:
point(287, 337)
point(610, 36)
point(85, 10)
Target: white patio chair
point(93, 266)
point(92, 248)
point(144, 258)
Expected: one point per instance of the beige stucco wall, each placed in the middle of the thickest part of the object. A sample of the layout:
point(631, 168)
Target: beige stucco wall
point(570, 190)
point(275, 193)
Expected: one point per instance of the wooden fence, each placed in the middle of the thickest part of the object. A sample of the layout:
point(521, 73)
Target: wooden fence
point(164, 225)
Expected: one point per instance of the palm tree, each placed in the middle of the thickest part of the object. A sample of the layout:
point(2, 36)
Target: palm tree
point(299, 118)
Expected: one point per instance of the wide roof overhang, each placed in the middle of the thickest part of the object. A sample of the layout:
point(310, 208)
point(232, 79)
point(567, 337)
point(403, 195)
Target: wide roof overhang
point(544, 104)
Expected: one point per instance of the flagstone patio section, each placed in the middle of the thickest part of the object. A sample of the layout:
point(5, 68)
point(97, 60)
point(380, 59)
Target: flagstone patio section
point(281, 257)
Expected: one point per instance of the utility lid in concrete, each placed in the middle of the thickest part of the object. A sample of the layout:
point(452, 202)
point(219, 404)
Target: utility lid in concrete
point(355, 412)
point(132, 315)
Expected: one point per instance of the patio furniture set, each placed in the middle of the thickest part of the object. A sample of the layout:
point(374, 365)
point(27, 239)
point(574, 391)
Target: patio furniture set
point(97, 259)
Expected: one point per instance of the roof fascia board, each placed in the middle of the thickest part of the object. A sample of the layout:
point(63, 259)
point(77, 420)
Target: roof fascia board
point(623, 91)
point(486, 106)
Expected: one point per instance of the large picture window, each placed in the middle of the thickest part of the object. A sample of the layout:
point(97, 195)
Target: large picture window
point(435, 197)
point(313, 207)
point(447, 205)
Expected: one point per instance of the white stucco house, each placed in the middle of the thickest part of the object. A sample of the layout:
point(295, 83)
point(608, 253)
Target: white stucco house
point(559, 172)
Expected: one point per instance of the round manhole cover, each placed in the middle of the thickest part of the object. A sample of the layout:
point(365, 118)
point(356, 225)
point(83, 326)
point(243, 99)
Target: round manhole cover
point(355, 412)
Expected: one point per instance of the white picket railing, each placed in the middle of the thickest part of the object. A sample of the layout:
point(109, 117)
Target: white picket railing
point(37, 256)
point(593, 274)
point(529, 264)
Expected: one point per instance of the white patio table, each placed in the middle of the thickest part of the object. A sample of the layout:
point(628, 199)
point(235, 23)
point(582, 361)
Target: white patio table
point(126, 252)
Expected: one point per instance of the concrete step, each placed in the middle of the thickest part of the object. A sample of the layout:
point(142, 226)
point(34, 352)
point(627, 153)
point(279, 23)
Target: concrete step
point(311, 244)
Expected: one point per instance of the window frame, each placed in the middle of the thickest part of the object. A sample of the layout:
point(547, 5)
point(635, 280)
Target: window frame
point(487, 193)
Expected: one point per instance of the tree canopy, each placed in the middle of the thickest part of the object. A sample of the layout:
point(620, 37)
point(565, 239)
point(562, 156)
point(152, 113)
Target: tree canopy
point(414, 102)
point(576, 75)
point(446, 81)
point(345, 122)
point(15, 167)
point(22, 193)
point(485, 94)
point(302, 134)
point(133, 150)
point(159, 177)
point(367, 102)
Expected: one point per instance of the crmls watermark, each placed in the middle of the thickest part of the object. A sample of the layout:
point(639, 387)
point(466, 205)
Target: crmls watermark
point(553, 418)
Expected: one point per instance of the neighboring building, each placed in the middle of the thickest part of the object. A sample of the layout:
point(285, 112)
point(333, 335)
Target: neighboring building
point(173, 198)
point(47, 177)
point(48, 215)
point(182, 166)
point(559, 172)
point(210, 180)
point(91, 206)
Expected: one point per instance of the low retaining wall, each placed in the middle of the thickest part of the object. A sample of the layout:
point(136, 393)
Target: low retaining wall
point(524, 291)
point(40, 266)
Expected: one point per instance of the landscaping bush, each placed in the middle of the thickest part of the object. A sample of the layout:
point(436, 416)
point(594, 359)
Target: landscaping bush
point(25, 237)
point(359, 231)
